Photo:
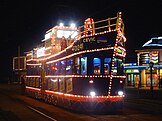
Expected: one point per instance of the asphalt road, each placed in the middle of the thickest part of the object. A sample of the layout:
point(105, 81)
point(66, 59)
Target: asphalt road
point(17, 107)
point(14, 109)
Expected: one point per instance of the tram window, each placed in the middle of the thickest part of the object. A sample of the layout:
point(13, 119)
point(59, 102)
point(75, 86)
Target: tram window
point(53, 68)
point(69, 67)
point(107, 62)
point(77, 65)
point(61, 84)
point(47, 69)
point(62, 67)
point(57, 68)
point(37, 82)
point(28, 70)
point(84, 65)
point(118, 67)
point(49, 84)
point(115, 67)
point(97, 65)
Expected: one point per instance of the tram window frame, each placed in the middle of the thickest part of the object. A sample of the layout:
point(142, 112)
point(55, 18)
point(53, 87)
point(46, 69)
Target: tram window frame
point(97, 62)
point(83, 65)
point(107, 64)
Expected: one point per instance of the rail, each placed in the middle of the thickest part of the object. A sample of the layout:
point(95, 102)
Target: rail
point(106, 25)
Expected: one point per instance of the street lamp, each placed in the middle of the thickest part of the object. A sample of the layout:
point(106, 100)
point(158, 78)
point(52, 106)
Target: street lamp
point(151, 64)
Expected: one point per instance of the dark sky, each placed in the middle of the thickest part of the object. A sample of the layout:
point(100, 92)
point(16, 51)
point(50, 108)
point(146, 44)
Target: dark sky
point(23, 23)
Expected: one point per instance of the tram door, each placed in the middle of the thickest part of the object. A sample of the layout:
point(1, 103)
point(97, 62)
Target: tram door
point(133, 79)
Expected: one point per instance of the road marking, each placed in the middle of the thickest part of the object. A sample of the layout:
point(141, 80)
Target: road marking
point(41, 113)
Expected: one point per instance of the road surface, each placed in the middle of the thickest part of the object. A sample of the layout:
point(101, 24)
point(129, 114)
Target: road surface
point(17, 107)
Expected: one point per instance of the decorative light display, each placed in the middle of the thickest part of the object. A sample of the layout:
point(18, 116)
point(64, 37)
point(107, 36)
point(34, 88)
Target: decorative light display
point(89, 27)
point(154, 56)
point(80, 97)
point(41, 52)
point(89, 30)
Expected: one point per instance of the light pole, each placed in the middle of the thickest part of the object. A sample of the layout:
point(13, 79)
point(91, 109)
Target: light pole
point(151, 64)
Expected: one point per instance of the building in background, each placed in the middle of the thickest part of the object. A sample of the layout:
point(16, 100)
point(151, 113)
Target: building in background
point(138, 74)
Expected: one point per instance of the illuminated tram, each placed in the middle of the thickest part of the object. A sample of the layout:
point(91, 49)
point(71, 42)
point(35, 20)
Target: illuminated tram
point(80, 69)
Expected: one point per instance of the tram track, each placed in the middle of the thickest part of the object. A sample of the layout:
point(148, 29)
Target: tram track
point(41, 113)
point(11, 116)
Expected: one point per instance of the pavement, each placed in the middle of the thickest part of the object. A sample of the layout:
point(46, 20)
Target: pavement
point(135, 93)
point(144, 100)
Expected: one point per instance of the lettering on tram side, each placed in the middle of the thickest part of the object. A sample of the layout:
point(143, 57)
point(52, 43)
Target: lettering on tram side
point(91, 39)
point(102, 40)
point(78, 47)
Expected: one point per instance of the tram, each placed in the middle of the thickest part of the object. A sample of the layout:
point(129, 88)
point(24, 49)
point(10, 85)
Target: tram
point(80, 68)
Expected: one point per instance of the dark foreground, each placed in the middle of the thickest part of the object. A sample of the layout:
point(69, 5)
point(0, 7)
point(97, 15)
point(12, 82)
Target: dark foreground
point(17, 107)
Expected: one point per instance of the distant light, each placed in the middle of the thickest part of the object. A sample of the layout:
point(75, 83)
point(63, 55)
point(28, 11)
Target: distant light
point(92, 93)
point(136, 71)
point(72, 25)
point(134, 64)
point(61, 24)
point(120, 93)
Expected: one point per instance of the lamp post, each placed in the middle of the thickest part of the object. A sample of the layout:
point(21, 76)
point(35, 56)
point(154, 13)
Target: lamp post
point(151, 64)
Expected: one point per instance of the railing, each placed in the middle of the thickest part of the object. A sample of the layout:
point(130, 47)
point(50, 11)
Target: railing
point(107, 25)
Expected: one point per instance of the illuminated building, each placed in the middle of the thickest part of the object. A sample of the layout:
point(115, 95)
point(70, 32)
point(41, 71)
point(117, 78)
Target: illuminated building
point(138, 74)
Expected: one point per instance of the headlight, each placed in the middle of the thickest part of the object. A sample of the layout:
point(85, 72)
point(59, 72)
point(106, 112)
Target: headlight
point(91, 81)
point(92, 93)
point(120, 93)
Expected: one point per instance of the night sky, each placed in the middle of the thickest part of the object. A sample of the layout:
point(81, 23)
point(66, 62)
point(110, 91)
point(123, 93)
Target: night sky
point(24, 23)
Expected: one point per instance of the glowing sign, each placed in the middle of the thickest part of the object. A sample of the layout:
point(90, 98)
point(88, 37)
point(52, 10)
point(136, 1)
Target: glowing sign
point(144, 58)
point(41, 52)
point(154, 57)
point(132, 71)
